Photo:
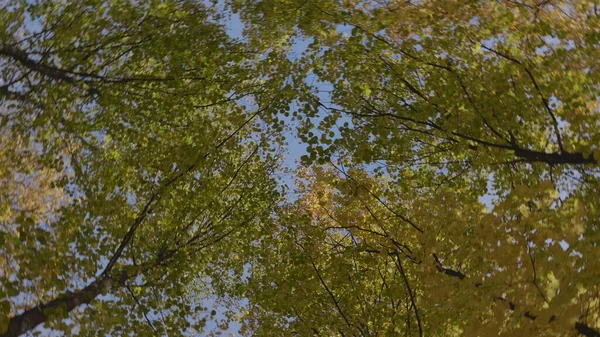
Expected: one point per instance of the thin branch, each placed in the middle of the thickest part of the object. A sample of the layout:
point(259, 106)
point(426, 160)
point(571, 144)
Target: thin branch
point(411, 295)
point(398, 215)
point(537, 88)
point(129, 235)
point(335, 301)
point(142, 309)
point(535, 283)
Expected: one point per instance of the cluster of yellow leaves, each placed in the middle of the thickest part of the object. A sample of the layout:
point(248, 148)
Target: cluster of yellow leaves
point(359, 256)
point(30, 197)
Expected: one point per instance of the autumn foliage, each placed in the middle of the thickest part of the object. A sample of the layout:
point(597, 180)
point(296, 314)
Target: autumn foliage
point(449, 186)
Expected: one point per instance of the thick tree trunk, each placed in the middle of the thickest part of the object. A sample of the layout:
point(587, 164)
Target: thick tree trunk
point(65, 303)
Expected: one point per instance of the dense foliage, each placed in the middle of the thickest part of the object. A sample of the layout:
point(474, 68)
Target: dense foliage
point(141, 128)
point(450, 185)
point(459, 191)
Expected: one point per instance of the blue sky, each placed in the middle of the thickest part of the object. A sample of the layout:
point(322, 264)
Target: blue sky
point(293, 151)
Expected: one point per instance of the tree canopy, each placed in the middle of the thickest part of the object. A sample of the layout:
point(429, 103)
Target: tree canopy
point(449, 187)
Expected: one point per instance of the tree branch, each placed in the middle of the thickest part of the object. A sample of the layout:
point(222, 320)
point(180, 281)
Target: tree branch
point(33, 317)
point(335, 301)
point(411, 295)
